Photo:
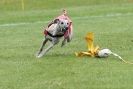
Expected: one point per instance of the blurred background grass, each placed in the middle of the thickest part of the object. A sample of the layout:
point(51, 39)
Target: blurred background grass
point(13, 5)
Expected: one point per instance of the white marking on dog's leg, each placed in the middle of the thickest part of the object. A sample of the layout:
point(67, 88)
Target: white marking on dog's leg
point(45, 51)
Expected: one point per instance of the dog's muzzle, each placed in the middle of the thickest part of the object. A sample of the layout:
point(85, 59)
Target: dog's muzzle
point(65, 29)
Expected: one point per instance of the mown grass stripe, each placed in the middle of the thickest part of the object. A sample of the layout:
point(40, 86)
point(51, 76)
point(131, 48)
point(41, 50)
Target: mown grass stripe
point(85, 17)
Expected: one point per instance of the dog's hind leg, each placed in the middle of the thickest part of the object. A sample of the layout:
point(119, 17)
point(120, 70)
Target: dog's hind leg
point(41, 48)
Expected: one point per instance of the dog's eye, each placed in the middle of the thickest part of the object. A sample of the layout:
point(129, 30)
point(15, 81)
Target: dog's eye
point(61, 22)
point(67, 23)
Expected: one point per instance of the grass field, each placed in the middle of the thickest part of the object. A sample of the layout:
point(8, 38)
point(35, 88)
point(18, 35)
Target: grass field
point(21, 35)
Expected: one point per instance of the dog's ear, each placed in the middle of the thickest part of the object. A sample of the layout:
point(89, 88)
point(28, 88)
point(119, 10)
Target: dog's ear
point(56, 21)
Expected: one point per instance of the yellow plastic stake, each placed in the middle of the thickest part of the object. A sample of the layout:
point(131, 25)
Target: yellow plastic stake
point(89, 38)
point(22, 4)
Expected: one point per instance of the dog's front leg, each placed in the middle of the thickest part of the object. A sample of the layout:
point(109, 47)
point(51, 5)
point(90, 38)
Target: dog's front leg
point(66, 39)
point(53, 42)
point(63, 42)
point(45, 50)
point(41, 48)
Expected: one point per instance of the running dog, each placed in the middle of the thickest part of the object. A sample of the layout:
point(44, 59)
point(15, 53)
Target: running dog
point(58, 28)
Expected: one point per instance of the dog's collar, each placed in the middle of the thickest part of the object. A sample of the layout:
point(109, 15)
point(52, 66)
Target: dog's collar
point(54, 35)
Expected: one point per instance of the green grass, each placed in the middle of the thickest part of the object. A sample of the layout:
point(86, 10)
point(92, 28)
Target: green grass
point(14, 5)
point(60, 68)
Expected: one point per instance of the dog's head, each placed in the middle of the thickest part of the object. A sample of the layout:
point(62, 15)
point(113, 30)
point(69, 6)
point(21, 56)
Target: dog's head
point(63, 24)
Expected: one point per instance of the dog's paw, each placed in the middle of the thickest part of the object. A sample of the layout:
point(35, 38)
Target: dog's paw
point(37, 55)
point(40, 55)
